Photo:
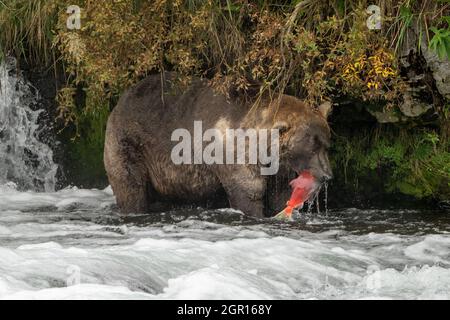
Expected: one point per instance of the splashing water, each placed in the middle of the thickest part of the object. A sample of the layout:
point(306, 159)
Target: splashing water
point(25, 161)
point(314, 201)
point(72, 244)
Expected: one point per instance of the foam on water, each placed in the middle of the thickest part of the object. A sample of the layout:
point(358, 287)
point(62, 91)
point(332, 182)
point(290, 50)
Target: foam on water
point(72, 244)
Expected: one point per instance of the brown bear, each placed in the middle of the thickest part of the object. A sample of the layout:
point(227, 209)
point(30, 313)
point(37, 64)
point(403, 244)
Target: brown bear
point(139, 147)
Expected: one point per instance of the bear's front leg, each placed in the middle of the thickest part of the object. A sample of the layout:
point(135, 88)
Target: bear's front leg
point(245, 189)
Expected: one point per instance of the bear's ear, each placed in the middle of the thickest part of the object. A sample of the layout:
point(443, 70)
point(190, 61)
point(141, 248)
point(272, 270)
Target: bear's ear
point(281, 126)
point(325, 109)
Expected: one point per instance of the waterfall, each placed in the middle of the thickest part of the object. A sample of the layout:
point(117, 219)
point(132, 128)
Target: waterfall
point(25, 161)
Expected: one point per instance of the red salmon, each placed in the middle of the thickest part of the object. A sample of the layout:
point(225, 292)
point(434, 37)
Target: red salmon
point(302, 187)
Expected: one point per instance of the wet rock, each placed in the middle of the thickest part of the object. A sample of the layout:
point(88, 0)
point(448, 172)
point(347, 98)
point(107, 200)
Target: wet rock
point(412, 107)
point(427, 79)
point(440, 69)
point(386, 116)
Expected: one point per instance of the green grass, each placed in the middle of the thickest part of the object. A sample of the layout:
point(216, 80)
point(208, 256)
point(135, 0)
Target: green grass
point(27, 29)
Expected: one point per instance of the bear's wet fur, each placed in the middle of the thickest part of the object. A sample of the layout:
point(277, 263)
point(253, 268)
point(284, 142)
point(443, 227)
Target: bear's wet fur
point(138, 147)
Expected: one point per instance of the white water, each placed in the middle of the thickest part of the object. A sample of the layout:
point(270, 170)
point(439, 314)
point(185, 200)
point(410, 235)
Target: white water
point(24, 160)
point(72, 244)
point(49, 241)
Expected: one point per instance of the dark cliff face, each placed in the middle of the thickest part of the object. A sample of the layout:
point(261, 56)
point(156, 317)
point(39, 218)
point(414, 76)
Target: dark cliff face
point(364, 177)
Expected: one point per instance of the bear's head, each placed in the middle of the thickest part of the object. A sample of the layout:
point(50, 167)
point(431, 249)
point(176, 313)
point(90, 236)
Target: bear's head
point(304, 136)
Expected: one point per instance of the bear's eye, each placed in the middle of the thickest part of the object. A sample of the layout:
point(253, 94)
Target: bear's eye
point(317, 144)
point(281, 126)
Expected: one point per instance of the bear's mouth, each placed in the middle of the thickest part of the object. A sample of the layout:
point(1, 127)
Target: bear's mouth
point(320, 175)
point(307, 181)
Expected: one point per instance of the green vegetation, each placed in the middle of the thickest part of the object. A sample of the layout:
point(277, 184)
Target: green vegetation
point(440, 42)
point(312, 49)
point(412, 162)
point(27, 29)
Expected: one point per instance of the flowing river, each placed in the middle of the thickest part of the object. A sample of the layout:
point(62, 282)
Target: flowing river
point(72, 243)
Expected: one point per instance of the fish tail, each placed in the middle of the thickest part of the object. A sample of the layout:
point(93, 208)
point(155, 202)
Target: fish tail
point(285, 214)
